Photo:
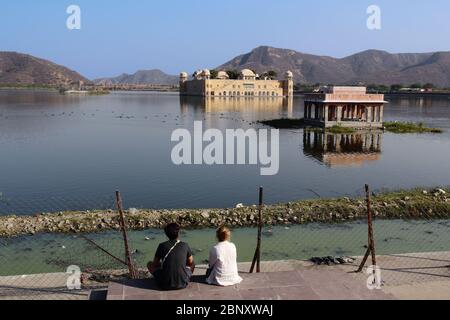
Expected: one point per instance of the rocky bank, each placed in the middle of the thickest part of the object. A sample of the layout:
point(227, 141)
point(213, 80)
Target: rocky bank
point(412, 204)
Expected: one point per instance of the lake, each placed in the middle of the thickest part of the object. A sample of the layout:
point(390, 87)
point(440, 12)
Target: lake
point(55, 252)
point(62, 152)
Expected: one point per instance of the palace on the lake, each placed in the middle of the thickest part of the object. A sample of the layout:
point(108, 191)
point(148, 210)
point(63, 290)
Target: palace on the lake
point(344, 106)
point(248, 84)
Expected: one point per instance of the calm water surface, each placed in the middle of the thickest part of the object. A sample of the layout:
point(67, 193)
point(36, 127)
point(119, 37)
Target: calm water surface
point(53, 252)
point(72, 152)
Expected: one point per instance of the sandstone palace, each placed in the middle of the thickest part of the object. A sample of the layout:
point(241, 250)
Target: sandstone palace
point(248, 84)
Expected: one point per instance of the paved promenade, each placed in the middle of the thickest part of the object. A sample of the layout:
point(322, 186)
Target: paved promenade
point(405, 276)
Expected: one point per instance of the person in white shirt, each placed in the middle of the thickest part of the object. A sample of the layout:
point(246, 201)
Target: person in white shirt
point(223, 270)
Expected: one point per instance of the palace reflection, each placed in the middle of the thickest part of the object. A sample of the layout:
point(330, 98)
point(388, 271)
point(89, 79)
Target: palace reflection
point(257, 105)
point(342, 150)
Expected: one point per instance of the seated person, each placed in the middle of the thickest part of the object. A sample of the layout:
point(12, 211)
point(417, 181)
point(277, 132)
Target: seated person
point(173, 265)
point(223, 270)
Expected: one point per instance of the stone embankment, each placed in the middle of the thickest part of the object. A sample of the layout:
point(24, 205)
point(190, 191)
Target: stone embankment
point(412, 204)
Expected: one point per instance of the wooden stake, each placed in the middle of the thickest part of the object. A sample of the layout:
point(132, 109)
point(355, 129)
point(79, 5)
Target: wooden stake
point(128, 257)
point(257, 256)
point(371, 241)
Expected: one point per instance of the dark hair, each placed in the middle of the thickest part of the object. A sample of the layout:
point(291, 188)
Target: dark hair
point(172, 230)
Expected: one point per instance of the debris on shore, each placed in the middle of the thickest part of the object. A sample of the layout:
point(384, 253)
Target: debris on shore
point(330, 260)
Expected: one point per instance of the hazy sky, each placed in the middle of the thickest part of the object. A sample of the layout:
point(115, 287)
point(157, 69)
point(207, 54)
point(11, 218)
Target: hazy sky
point(119, 36)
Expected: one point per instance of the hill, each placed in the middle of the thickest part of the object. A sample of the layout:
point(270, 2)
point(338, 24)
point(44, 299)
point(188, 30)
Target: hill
point(154, 76)
point(23, 69)
point(369, 67)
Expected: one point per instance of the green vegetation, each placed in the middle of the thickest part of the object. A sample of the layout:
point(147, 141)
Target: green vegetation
point(340, 130)
point(270, 74)
point(285, 123)
point(98, 92)
point(233, 74)
point(409, 127)
point(214, 73)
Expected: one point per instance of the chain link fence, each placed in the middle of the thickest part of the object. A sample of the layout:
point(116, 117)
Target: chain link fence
point(411, 241)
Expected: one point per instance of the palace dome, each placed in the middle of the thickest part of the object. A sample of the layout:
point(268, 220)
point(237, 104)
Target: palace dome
point(247, 73)
point(222, 75)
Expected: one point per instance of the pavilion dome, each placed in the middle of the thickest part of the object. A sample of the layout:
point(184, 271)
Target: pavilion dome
point(222, 75)
point(289, 74)
point(206, 73)
point(247, 73)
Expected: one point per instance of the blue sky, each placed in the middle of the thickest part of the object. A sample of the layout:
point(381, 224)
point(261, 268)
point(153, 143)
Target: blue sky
point(124, 36)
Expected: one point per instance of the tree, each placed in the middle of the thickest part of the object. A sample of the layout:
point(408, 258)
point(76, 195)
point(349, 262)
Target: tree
point(270, 74)
point(396, 87)
point(233, 74)
point(214, 73)
point(416, 86)
point(429, 86)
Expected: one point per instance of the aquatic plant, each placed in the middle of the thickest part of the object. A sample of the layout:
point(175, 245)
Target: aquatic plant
point(409, 127)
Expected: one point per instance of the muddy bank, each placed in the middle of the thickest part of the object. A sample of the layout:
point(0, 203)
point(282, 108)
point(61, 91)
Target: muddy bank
point(412, 204)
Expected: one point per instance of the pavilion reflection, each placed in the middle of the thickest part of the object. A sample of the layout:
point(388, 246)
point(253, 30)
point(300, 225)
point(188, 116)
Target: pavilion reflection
point(257, 105)
point(342, 150)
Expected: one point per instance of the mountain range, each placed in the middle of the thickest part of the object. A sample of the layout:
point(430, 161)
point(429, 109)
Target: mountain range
point(154, 76)
point(23, 69)
point(367, 67)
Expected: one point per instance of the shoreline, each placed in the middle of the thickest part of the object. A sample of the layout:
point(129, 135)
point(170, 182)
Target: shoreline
point(409, 204)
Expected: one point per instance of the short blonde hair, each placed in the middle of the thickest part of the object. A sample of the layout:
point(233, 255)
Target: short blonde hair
point(223, 234)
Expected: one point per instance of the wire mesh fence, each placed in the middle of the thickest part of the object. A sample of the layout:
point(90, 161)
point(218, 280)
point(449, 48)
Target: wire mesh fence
point(410, 228)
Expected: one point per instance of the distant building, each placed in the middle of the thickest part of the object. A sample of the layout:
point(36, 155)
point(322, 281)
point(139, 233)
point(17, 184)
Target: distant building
point(344, 106)
point(248, 85)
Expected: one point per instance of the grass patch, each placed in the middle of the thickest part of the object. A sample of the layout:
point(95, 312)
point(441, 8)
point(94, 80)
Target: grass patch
point(340, 129)
point(410, 127)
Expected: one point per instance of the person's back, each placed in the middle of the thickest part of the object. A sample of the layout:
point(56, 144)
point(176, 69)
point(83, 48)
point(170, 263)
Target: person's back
point(223, 261)
point(173, 264)
point(173, 274)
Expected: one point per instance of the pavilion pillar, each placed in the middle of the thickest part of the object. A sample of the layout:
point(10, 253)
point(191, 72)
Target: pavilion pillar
point(326, 114)
point(339, 114)
point(369, 113)
point(381, 113)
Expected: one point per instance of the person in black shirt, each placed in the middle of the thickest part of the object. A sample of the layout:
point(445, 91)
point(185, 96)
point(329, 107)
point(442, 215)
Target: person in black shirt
point(173, 264)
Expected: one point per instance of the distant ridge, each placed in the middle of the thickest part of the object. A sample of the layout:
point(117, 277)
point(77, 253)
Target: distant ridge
point(23, 69)
point(154, 76)
point(368, 67)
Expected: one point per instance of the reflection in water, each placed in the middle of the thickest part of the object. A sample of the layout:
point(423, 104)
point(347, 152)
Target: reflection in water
point(257, 105)
point(342, 150)
point(62, 152)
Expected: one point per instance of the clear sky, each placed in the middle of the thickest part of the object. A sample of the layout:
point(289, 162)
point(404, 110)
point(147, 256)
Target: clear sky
point(119, 36)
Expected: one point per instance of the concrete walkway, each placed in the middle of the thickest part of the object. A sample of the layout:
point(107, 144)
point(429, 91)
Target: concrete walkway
point(315, 283)
point(405, 276)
